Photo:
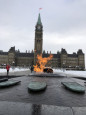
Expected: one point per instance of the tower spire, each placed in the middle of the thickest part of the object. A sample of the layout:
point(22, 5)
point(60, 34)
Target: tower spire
point(39, 20)
point(38, 38)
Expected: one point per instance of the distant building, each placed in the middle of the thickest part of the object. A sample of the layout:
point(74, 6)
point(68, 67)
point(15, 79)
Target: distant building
point(60, 60)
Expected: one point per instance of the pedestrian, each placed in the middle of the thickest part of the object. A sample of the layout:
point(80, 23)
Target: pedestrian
point(31, 69)
point(7, 68)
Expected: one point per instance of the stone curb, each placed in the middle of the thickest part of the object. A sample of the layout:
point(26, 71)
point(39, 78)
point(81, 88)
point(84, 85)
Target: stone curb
point(18, 108)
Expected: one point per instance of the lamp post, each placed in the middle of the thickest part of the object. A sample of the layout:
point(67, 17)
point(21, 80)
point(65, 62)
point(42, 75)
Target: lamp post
point(13, 63)
point(63, 66)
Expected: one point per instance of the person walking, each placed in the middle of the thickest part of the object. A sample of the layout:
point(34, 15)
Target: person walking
point(7, 68)
point(31, 69)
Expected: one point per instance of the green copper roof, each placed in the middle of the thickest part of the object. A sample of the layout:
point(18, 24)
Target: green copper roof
point(39, 20)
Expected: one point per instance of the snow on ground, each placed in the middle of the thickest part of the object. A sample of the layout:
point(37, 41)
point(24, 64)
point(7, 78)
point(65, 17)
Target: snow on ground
point(71, 72)
point(77, 73)
point(61, 72)
point(13, 70)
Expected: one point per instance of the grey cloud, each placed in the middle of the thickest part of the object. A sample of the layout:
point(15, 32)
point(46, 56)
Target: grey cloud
point(65, 18)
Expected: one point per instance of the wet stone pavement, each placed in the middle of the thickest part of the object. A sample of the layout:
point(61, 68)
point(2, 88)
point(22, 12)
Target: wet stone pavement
point(54, 100)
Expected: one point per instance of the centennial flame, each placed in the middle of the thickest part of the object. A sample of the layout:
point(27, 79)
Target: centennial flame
point(41, 62)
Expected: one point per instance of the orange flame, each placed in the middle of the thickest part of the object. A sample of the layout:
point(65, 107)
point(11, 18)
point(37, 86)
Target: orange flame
point(41, 62)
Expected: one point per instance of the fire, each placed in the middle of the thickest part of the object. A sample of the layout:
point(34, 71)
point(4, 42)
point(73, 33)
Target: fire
point(41, 62)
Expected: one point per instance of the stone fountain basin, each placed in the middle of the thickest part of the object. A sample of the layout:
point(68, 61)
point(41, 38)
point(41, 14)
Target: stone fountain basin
point(37, 86)
point(42, 74)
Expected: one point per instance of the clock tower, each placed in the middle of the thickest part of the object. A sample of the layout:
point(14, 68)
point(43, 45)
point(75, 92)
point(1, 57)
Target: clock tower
point(38, 38)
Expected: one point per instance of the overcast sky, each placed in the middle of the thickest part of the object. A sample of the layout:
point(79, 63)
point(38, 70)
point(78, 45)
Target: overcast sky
point(64, 24)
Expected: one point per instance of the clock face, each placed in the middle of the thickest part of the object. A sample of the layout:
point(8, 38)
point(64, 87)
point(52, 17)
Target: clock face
point(38, 27)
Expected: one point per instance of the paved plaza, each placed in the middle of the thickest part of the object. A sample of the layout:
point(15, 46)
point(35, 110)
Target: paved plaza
point(54, 100)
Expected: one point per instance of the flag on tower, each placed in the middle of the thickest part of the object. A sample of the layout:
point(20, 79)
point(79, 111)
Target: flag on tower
point(40, 8)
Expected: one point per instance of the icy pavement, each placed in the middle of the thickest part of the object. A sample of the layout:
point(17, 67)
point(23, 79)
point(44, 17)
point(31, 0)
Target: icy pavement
point(18, 108)
point(55, 100)
point(55, 93)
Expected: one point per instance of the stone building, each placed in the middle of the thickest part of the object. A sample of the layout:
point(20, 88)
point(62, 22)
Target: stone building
point(60, 60)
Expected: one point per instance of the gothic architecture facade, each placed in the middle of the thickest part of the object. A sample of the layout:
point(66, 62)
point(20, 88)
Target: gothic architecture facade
point(60, 60)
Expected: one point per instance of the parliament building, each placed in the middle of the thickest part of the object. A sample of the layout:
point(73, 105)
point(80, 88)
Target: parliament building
point(62, 59)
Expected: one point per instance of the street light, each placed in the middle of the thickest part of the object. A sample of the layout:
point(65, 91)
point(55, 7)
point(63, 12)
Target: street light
point(13, 63)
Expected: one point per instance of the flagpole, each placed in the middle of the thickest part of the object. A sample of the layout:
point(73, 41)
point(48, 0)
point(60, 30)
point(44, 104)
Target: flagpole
point(40, 9)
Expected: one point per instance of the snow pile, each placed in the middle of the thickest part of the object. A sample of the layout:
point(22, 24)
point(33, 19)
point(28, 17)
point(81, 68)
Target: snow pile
point(61, 72)
point(13, 70)
point(71, 72)
point(77, 73)
point(57, 71)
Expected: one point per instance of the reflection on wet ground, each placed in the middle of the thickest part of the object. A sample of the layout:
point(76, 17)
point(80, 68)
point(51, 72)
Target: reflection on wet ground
point(18, 108)
point(55, 93)
point(36, 109)
point(82, 78)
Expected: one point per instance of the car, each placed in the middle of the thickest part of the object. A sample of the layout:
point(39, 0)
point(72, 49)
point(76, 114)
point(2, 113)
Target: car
point(3, 66)
point(48, 70)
